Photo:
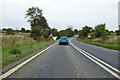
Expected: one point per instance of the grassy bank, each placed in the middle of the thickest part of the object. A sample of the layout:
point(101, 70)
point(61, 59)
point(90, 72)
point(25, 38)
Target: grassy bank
point(105, 45)
point(15, 47)
point(26, 49)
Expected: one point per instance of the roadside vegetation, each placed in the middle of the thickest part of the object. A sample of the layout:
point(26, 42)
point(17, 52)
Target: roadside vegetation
point(100, 36)
point(13, 53)
point(17, 44)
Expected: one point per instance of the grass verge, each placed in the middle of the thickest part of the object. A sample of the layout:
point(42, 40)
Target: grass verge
point(25, 49)
point(109, 46)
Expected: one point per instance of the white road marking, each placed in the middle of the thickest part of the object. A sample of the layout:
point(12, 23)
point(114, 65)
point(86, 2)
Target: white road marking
point(23, 63)
point(99, 47)
point(101, 61)
point(96, 61)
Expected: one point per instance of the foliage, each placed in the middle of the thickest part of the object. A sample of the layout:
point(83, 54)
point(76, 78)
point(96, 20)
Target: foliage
point(36, 32)
point(15, 40)
point(107, 32)
point(22, 29)
point(62, 33)
point(86, 30)
point(92, 34)
point(37, 21)
point(69, 32)
point(117, 32)
point(105, 45)
point(27, 49)
point(75, 31)
point(80, 33)
point(100, 30)
point(27, 31)
point(54, 31)
point(15, 50)
point(9, 31)
point(4, 29)
point(46, 34)
point(111, 31)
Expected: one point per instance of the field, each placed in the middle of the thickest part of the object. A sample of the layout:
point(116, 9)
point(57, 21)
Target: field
point(110, 42)
point(18, 46)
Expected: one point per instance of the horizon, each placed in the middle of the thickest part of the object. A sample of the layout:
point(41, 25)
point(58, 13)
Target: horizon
point(60, 14)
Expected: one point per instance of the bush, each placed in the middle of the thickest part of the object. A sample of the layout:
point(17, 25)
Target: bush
point(9, 31)
point(36, 31)
point(15, 51)
point(100, 30)
point(117, 32)
point(46, 34)
point(93, 35)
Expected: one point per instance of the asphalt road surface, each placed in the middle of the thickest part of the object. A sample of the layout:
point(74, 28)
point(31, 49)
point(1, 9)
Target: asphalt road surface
point(65, 61)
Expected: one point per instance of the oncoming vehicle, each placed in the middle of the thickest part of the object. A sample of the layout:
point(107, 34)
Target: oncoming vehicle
point(63, 40)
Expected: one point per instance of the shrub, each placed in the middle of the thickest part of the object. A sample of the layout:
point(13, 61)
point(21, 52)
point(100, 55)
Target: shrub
point(46, 34)
point(15, 51)
point(36, 31)
point(9, 31)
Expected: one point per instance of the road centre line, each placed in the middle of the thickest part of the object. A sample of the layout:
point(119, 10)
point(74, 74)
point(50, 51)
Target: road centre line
point(89, 56)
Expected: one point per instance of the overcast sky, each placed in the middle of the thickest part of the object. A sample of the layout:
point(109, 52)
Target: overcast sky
point(61, 13)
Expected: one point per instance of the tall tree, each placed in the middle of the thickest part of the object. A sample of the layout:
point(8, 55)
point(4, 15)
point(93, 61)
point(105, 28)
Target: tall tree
point(86, 30)
point(100, 30)
point(22, 29)
point(75, 31)
point(9, 31)
point(37, 21)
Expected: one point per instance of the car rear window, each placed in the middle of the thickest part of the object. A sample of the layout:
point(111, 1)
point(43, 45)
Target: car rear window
point(63, 38)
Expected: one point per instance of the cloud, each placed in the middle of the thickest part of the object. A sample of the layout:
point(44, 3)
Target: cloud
point(61, 13)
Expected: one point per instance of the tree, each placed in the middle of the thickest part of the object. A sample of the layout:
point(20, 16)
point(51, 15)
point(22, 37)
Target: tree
point(117, 32)
point(4, 29)
point(54, 31)
point(111, 31)
point(62, 33)
point(36, 32)
point(107, 32)
point(69, 32)
point(75, 31)
point(36, 17)
point(100, 30)
point(37, 21)
point(86, 30)
point(27, 31)
point(23, 30)
point(9, 31)
point(80, 33)
point(46, 34)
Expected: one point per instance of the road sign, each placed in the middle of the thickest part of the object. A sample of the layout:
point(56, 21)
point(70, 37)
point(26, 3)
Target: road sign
point(89, 36)
point(51, 35)
point(54, 38)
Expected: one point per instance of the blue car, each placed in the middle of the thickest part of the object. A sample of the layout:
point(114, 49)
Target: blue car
point(63, 40)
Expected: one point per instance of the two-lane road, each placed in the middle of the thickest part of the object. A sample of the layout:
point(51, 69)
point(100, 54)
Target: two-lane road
point(62, 61)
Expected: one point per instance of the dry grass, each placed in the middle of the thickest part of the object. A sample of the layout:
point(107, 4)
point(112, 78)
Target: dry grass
point(109, 39)
point(14, 40)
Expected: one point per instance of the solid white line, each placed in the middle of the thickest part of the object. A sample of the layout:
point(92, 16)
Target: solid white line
point(23, 63)
point(101, 61)
point(110, 71)
point(99, 47)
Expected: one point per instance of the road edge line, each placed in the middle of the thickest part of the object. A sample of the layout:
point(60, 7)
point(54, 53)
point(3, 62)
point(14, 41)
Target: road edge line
point(98, 63)
point(9, 72)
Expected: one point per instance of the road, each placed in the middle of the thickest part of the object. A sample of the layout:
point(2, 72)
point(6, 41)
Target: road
point(62, 61)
